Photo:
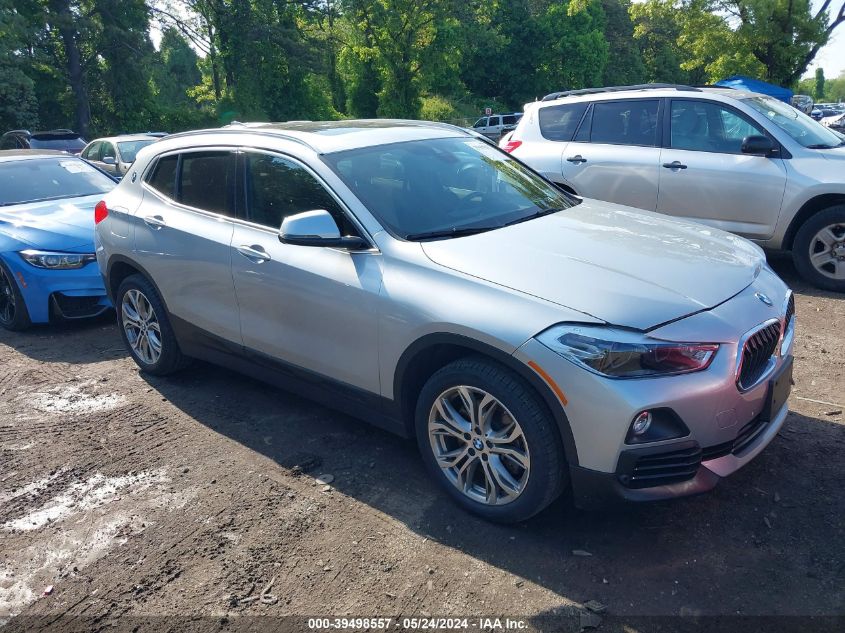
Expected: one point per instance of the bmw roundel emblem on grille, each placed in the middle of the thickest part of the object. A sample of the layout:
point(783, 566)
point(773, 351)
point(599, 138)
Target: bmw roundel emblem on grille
point(763, 298)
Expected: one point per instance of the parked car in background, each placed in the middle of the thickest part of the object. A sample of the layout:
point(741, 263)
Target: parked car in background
point(804, 103)
point(47, 262)
point(820, 112)
point(115, 154)
point(735, 160)
point(835, 122)
point(497, 125)
point(62, 140)
point(413, 274)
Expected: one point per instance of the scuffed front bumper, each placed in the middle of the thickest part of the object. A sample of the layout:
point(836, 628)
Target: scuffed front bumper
point(592, 488)
point(728, 426)
point(69, 294)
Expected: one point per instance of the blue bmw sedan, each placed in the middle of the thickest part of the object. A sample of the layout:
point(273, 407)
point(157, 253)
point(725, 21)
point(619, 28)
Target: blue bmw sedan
point(47, 262)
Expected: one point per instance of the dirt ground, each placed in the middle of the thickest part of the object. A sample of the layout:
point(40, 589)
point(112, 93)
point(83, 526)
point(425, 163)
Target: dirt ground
point(138, 503)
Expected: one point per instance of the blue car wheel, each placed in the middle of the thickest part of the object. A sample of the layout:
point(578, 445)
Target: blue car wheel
point(13, 314)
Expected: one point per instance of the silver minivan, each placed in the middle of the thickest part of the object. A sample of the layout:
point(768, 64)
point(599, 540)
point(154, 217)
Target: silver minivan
point(417, 276)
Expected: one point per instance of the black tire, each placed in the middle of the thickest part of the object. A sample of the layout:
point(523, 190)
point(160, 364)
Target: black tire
point(13, 313)
point(171, 358)
point(548, 473)
point(805, 240)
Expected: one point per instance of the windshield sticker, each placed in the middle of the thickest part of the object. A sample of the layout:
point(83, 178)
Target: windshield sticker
point(76, 166)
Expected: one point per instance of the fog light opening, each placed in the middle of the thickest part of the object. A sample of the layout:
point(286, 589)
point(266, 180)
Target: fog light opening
point(641, 423)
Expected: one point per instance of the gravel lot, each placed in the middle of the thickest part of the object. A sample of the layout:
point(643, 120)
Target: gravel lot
point(124, 496)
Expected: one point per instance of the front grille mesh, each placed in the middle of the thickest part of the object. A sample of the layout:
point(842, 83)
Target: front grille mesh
point(758, 349)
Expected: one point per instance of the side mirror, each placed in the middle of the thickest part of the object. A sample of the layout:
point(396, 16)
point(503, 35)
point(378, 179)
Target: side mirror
point(316, 228)
point(757, 145)
point(109, 160)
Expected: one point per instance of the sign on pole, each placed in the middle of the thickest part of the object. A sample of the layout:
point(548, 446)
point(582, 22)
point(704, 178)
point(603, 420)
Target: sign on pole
point(488, 111)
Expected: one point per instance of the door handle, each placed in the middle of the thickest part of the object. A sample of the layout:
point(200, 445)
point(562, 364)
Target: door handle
point(155, 222)
point(675, 164)
point(254, 253)
point(577, 159)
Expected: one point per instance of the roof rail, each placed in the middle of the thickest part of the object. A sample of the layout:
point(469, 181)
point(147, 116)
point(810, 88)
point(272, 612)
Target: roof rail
point(591, 91)
point(241, 130)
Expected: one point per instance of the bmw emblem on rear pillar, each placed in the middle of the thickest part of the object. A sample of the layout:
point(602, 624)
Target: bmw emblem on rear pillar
point(763, 298)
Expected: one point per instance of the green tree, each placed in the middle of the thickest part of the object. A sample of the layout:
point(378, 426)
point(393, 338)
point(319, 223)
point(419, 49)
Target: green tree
point(818, 89)
point(177, 70)
point(657, 29)
point(18, 103)
point(625, 61)
point(575, 51)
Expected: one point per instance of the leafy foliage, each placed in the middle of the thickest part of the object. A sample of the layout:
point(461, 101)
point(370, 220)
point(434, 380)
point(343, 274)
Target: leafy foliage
point(91, 64)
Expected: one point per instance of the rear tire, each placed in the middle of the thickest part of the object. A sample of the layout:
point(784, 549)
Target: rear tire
point(489, 441)
point(819, 249)
point(13, 313)
point(145, 328)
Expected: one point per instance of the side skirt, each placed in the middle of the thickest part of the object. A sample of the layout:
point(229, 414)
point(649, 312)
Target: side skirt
point(358, 403)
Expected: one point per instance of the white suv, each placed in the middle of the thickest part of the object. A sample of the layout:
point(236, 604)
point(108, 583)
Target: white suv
point(739, 161)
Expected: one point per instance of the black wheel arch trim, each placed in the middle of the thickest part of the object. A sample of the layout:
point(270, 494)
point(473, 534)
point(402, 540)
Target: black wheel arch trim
point(430, 341)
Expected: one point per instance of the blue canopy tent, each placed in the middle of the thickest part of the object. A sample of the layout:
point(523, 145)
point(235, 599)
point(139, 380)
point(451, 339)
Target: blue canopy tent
point(741, 82)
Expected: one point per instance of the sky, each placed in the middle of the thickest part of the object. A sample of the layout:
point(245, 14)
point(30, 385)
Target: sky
point(831, 58)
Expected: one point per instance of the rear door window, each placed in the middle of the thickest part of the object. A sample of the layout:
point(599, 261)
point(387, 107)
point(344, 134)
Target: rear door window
point(625, 122)
point(558, 123)
point(207, 181)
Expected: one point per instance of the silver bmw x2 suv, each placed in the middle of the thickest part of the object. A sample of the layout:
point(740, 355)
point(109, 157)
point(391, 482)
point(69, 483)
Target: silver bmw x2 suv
point(416, 276)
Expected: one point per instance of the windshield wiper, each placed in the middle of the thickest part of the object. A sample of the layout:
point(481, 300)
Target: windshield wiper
point(453, 232)
point(536, 214)
point(825, 145)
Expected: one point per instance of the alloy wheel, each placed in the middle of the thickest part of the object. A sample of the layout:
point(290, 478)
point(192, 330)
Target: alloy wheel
point(479, 445)
point(827, 251)
point(8, 303)
point(141, 326)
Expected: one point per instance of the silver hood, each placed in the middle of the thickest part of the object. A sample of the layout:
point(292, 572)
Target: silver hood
point(624, 266)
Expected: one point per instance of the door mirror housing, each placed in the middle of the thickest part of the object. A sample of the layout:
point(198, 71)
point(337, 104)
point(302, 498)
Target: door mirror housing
point(758, 145)
point(316, 228)
point(109, 160)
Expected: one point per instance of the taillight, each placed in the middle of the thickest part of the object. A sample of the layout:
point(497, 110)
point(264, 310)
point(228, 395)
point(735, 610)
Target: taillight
point(511, 145)
point(101, 212)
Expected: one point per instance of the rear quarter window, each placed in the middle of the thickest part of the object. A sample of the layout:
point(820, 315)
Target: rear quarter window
point(558, 123)
point(162, 177)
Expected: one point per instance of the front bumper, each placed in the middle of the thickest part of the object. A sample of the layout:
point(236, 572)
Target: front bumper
point(592, 488)
point(69, 294)
point(727, 426)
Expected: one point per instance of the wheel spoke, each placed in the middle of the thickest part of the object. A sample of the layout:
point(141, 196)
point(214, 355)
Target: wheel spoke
point(515, 456)
point(450, 415)
point(442, 428)
point(469, 404)
point(486, 406)
point(504, 480)
point(822, 258)
point(451, 458)
point(827, 236)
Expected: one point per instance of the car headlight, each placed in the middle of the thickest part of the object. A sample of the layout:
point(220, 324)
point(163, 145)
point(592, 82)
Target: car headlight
point(57, 261)
point(618, 353)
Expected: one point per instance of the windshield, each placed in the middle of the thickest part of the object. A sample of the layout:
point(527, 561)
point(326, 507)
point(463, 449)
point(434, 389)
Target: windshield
point(445, 185)
point(129, 149)
point(35, 179)
point(797, 124)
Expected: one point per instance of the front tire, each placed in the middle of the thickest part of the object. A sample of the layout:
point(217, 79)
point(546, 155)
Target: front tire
point(145, 327)
point(487, 438)
point(819, 249)
point(13, 313)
